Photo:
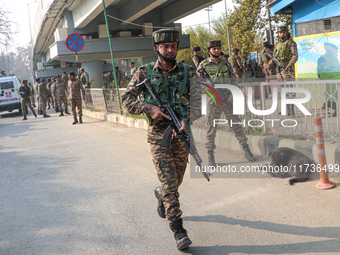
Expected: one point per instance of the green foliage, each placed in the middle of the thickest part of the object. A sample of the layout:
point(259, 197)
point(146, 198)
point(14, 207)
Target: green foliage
point(199, 36)
point(141, 116)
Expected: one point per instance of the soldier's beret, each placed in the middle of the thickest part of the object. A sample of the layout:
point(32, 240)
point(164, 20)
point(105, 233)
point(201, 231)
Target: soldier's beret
point(197, 48)
point(214, 43)
point(132, 63)
point(82, 69)
point(71, 73)
point(57, 76)
point(270, 46)
point(165, 35)
point(265, 44)
point(42, 79)
point(54, 79)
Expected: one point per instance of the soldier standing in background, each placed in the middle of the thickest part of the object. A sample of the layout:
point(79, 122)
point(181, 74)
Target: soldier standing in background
point(217, 68)
point(286, 52)
point(43, 95)
point(168, 75)
point(49, 97)
point(31, 94)
point(3, 74)
point(64, 78)
point(84, 78)
point(24, 91)
point(119, 76)
point(236, 63)
point(35, 87)
point(197, 58)
point(267, 69)
point(59, 93)
point(74, 94)
point(133, 69)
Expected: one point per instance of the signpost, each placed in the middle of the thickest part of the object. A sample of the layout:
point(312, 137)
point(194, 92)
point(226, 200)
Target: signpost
point(75, 42)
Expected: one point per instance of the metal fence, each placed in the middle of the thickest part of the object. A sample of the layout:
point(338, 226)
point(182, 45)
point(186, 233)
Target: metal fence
point(324, 103)
point(104, 100)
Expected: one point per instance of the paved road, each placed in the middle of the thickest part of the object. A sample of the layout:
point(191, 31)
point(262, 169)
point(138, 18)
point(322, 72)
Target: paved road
point(88, 189)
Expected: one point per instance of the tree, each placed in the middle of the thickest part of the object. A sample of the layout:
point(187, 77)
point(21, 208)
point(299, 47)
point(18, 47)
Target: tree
point(23, 60)
point(199, 36)
point(6, 26)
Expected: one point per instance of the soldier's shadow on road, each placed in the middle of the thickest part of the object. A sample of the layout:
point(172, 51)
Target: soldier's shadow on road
point(317, 247)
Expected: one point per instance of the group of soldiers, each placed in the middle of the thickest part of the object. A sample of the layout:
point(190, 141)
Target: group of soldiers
point(54, 93)
point(172, 81)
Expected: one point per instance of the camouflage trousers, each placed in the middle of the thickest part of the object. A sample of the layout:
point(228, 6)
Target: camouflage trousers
point(61, 100)
point(214, 112)
point(76, 102)
point(269, 69)
point(283, 76)
point(51, 102)
point(238, 73)
point(39, 104)
point(24, 102)
point(170, 166)
point(43, 104)
point(32, 99)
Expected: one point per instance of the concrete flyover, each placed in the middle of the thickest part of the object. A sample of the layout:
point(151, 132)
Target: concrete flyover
point(56, 19)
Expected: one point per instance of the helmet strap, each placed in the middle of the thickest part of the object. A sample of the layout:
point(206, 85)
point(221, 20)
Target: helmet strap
point(215, 56)
point(166, 59)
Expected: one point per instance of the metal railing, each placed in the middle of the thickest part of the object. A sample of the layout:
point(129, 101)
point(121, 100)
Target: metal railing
point(104, 100)
point(324, 102)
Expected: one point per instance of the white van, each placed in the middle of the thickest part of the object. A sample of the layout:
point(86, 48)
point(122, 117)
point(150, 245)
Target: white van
point(9, 98)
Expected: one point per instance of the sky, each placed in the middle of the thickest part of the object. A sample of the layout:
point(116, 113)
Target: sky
point(19, 14)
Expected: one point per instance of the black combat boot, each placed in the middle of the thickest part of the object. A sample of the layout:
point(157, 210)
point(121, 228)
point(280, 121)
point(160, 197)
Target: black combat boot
point(247, 153)
point(181, 236)
point(46, 116)
point(75, 121)
point(35, 115)
point(24, 118)
point(61, 113)
point(40, 113)
point(211, 158)
point(80, 120)
point(160, 207)
point(57, 109)
point(66, 112)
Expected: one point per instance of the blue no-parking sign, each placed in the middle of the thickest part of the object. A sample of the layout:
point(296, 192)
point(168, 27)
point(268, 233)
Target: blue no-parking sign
point(75, 42)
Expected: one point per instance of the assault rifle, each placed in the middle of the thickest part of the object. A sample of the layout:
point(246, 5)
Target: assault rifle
point(224, 97)
point(174, 124)
point(279, 63)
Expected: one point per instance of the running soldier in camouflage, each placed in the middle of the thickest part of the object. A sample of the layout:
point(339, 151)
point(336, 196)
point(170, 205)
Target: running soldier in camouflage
point(59, 93)
point(43, 94)
point(236, 63)
point(217, 68)
point(74, 94)
point(25, 92)
point(171, 80)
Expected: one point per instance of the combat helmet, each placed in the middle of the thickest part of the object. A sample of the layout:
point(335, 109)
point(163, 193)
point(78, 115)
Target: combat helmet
point(282, 28)
point(165, 35)
point(236, 50)
point(214, 43)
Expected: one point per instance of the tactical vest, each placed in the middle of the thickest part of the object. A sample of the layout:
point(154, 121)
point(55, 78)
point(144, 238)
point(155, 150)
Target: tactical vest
point(282, 51)
point(216, 71)
point(174, 91)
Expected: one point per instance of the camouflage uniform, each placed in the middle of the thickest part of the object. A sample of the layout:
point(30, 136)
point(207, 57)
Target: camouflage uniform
point(73, 90)
point(215, 111)
point(286, 52)
point(236, 64)
point(84, 78)
point(264, 63)
point(64, 79)
point(25, 92)
point(43, 95)
point(35, 87)
point(196, 60)
point(50, 98)
point(171, 163)
point(58, 91)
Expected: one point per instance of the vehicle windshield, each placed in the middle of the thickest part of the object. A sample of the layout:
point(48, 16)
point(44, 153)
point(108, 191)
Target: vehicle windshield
point(6, 85)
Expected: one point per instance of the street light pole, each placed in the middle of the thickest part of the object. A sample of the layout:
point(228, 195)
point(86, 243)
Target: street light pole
point(29, 23)
point(112, 59)
point(226, 15)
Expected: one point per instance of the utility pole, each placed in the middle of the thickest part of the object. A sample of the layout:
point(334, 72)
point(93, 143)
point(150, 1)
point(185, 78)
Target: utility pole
point(112, 59)
point(32, 51)
point(271, 40)
point(226, 15)
point(209, 9)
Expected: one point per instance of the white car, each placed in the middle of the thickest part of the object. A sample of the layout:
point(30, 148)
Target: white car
point(9, 98)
